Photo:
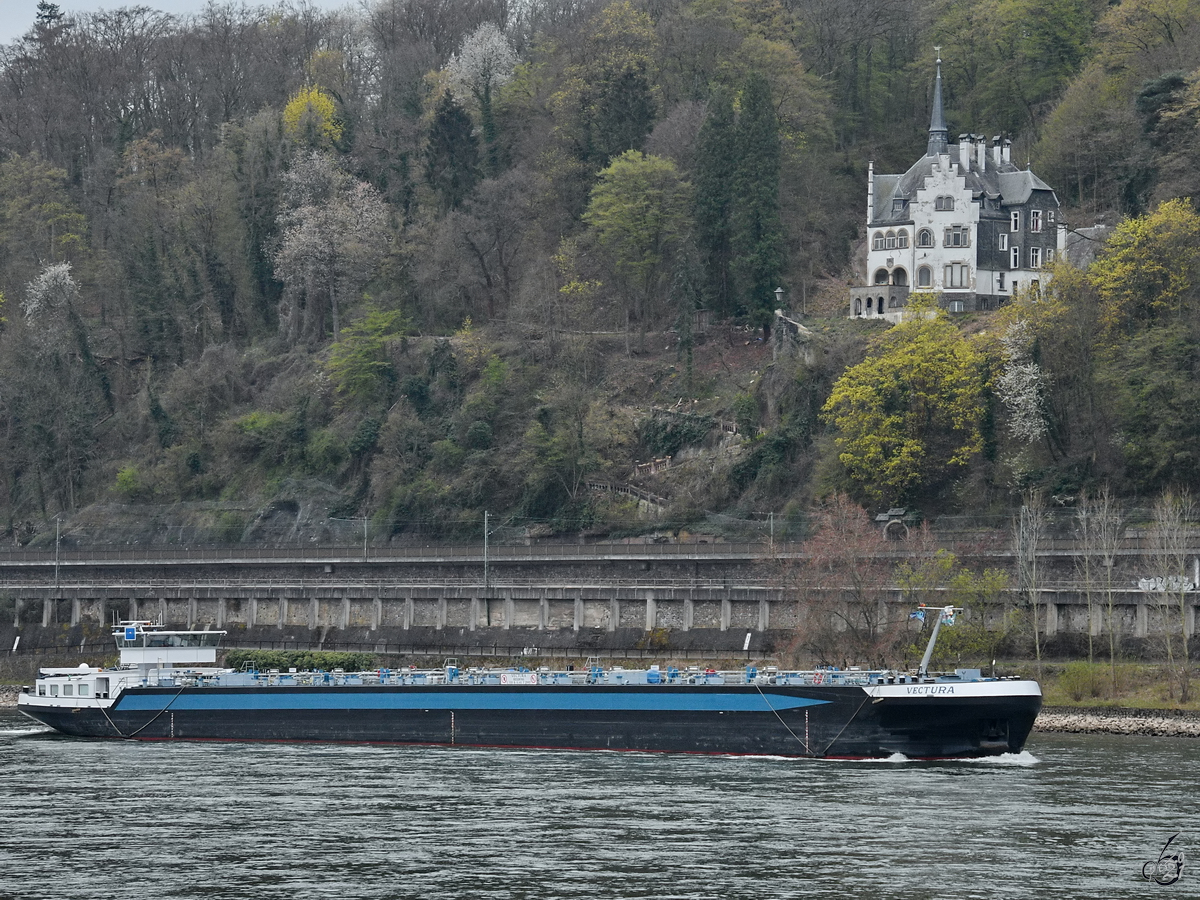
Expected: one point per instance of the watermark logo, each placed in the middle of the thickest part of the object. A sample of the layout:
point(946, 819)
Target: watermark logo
point(1168, 868)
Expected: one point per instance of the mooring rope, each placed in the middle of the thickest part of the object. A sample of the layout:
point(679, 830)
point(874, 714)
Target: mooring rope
point(802, 743)
point(134, 734)
point(825, 752)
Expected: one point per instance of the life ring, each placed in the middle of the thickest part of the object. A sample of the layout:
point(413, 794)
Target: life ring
point(818, 677)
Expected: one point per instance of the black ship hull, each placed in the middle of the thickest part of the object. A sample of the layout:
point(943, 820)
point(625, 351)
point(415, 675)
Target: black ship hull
point(820, 722)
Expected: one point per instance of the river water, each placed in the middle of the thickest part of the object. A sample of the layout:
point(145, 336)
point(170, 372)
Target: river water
point(1071, 817)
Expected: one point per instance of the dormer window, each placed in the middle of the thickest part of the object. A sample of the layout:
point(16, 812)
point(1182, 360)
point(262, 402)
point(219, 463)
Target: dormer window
point(898, 205)
point(944, 203)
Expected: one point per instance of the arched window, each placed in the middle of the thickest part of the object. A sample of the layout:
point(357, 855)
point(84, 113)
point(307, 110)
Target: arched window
point(899, 276)
point(944, 203)
point(890, 241)
point(902, 239)
point(924, 238)
point(881, 276)
point(924, 277)
point(857, 306)
point(877, 243)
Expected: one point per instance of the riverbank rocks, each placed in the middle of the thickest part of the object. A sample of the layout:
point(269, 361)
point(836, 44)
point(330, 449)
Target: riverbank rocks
point(1160, 722)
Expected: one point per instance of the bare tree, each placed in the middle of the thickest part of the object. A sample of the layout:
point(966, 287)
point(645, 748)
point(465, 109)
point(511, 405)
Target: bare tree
point(1101, 522)
point(334, 236)
point(1030, 529)
point(1172, 581)
point(840, 586)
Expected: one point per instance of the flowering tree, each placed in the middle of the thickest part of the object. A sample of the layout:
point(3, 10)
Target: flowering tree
point(334, 236)
point(1022, 386)
point(484, 62)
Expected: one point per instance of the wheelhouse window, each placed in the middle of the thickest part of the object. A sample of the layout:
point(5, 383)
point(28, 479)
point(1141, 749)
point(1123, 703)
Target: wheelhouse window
point(68, 690)
point(83, 690)
point(924, 238)
point(54, 690)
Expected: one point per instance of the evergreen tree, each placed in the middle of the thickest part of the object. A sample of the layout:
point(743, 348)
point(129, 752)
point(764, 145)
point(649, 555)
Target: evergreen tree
point(757, 236)
point(715, 165)
point(622, 115)
point(452, 154)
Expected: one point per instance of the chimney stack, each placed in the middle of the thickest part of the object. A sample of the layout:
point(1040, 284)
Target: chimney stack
point(964, 152)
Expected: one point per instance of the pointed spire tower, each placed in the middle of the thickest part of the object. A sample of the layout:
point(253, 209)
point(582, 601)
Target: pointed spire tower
point(938, 142)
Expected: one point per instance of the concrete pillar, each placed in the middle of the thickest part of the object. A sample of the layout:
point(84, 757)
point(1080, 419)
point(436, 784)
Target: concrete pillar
point(543, 613)
point(345, 612)
point(162, 610)
point(651, 613)
point(474, 613)
point(441, 612)
point(377, 613)
point(578, 613)
point(1096, 625)
point(252, 613)
point(1141, 619)
point(283, 611)
point(133, 608)
point(220, 612)
point(75, 611)
point(509, 610)
point(726, 613)
point(314, 619)
point(47, 606)
point(191, 613)
point(17, 612)
point(1051, 628)
point(764, 614)
point(689, 613)
point(614, 614)
point(409, 613)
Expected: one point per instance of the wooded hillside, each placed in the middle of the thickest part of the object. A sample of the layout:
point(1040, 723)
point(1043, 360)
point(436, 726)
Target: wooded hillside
point(437, 257)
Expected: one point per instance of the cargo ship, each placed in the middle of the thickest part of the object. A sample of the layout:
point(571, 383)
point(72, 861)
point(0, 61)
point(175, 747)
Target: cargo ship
point(167, 688)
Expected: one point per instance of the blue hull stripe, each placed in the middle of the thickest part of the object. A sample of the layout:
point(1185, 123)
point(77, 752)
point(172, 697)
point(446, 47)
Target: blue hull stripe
point(491, 701)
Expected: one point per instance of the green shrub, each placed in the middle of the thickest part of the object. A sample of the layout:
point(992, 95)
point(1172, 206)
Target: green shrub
point(1081, 679)
point(300, 660)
